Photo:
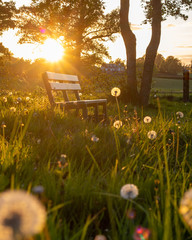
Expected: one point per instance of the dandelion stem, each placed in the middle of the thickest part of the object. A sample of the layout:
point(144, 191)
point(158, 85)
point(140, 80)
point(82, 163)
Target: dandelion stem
point(118, 108)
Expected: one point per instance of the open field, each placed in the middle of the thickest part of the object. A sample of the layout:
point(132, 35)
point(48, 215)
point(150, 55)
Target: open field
point(167, 84)
point(82, 166)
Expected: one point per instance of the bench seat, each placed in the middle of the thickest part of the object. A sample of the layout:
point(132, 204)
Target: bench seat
point(70, 83)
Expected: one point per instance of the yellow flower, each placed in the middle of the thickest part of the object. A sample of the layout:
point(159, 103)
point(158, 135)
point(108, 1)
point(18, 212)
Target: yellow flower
point(115, 91)
point(12, 109)
point(4, 99)
point(129, 191)
point(117, 124)
point(21, 215)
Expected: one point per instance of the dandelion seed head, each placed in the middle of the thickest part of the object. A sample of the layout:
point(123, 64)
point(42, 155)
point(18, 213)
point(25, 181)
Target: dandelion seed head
point(129, 191)
point(117, 124)
point(21, 215)
point(115, 92)
point(185, 208)
point(152, 135)
point(100, 237)
point(147, 119)
point(179, 114)
point(94, 138)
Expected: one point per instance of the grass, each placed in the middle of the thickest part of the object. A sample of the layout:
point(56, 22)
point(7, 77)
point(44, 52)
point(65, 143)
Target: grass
point(166, 84)
point(82, 189)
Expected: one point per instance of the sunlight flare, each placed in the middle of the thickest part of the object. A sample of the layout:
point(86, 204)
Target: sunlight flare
point(52, 50)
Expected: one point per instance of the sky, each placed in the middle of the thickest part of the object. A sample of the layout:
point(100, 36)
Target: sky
point(176, 36)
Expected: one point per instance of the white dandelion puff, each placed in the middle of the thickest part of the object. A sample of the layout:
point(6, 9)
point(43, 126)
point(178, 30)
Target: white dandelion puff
point(21, 215)
point(180, 114)
point(147, 119)
point(185, 208)
point(129, 191)
point(100, 237)
point(152, 135)
point(115, 91)
point(117, 124)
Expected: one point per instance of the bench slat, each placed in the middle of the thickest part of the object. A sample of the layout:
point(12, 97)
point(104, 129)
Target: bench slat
point(61, 77)
point(64, 86)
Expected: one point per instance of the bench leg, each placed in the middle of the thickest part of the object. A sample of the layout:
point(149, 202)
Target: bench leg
point(105, 111)
point(85, 112)
point(96, 113)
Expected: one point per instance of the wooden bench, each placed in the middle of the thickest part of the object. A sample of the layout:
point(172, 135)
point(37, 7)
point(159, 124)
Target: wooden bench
point(70, 83)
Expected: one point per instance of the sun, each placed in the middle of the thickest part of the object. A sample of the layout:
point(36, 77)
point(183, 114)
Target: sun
point(52, 50)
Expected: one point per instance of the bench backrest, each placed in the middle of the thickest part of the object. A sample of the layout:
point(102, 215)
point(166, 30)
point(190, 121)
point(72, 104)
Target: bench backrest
point(61, 82)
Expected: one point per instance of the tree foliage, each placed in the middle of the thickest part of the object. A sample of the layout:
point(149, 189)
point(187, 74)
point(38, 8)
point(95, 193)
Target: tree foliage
point(81, 25)
point(7, 11)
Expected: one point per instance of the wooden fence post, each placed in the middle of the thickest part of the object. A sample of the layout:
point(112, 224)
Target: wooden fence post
point(186, 85)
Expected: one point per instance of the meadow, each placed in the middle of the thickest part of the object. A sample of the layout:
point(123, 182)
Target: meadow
point(77, 168)
point(169, 84)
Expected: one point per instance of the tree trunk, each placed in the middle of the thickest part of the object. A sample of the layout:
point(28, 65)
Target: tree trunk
point(151, 53)
point(130, 45)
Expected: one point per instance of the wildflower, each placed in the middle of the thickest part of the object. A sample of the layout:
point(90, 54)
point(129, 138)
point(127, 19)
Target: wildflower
point(141, 233)
point(62, 163)
point(115, 91)
point(179, 114)
point(152, 135)
point(100, 237)
point(21, 215)
point(38, 189)
point(27, 99)
point(147, 119)
point(80, 94)
point(4, 99)
point(25, 111)
point(131, 214)
point(94, 138)
point(19, 99)
point(22, 124)
point(10, 93)
point(185, 208)
point(12, 109)
point(117, 124)
point(129, 191)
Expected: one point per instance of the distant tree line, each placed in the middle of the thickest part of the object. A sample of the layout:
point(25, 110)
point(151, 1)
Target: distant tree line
point(169, 65)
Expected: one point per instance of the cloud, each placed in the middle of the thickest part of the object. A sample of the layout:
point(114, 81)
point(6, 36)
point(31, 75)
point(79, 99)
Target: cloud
point(183, 46)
